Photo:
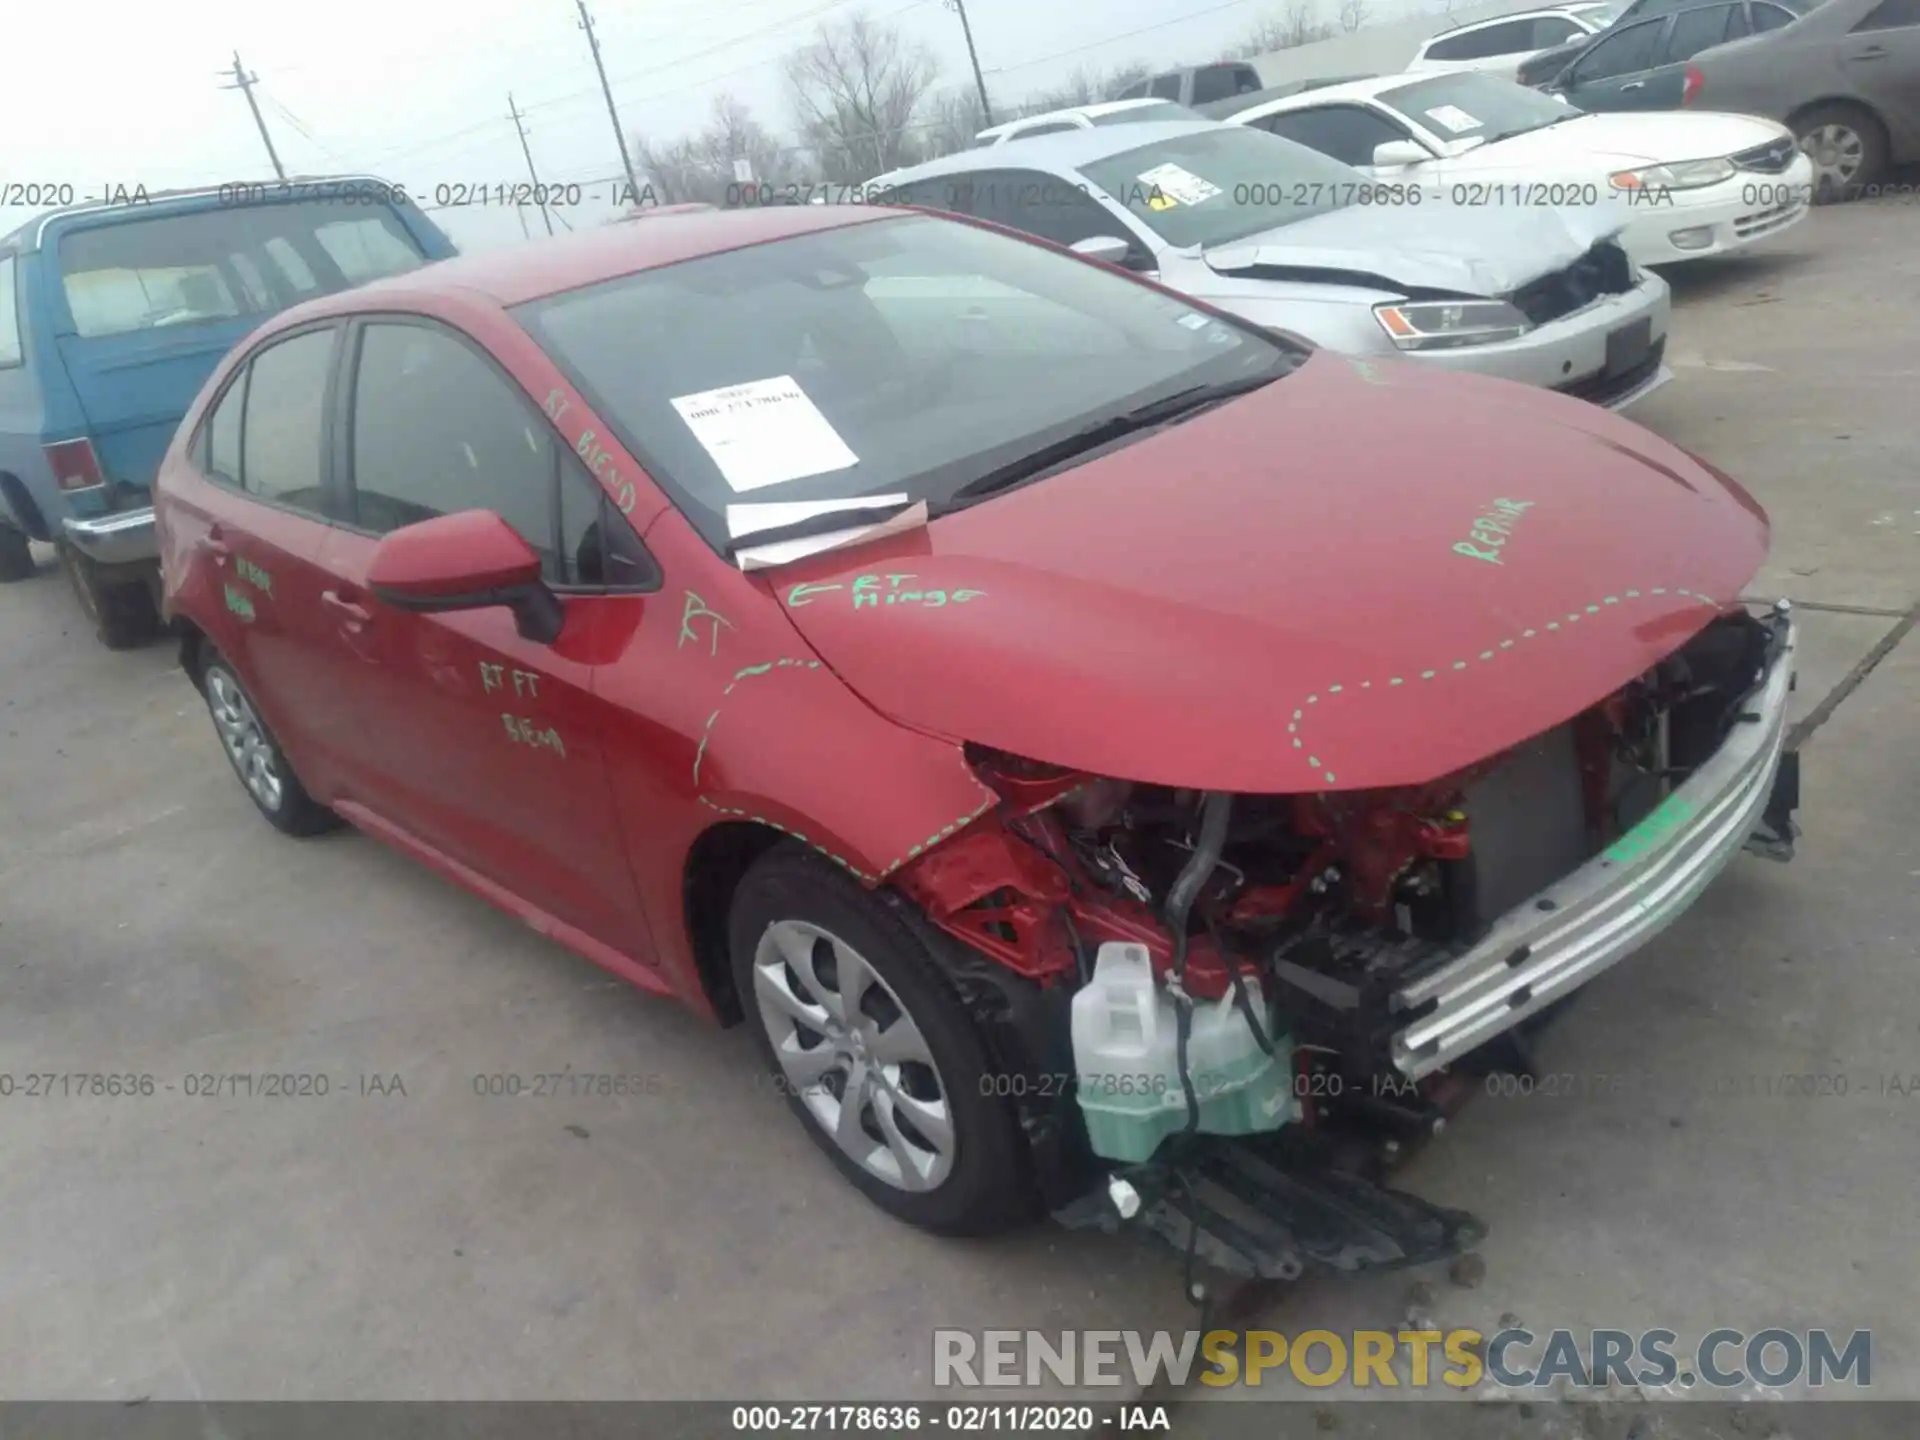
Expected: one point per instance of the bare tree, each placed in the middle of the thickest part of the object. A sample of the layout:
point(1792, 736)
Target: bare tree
point(1353, 14)
point(854, 91)
point(702, 166)
point(1299, 25)
point(953, 118)
point(1126, 77)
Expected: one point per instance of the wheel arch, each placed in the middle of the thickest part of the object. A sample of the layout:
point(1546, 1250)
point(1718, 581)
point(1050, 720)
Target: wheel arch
point(25, 510)
point(1845, 102)
point(716, 862)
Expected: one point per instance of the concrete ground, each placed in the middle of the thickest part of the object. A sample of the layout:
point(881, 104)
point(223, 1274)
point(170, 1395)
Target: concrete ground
point(690, 1241)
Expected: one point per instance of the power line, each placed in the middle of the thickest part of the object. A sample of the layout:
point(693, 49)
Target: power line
point(1116, 39)
point(986, 110)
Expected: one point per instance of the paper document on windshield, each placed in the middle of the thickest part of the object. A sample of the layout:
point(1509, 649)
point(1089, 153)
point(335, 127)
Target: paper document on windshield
point(764, 432)
point(1176, 183)
point(747, 520)
point(1454, 118)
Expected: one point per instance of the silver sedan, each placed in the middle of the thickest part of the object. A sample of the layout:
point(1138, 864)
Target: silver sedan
point(1285, 237)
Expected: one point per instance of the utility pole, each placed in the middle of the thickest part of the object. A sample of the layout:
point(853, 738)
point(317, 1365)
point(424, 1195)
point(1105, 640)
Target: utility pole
point(244, 83)
point(619, 136)
point(986, 110)
point(513, 114)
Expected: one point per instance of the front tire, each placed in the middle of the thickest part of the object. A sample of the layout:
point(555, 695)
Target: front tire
point(122, 612)
point(16, 559)
point(256, 756)
point(873, 1050)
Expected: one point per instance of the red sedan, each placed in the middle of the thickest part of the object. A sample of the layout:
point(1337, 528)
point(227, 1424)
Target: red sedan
point(1069, 724)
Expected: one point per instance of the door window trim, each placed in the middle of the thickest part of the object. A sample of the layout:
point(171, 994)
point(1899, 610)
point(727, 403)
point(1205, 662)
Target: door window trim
point(347, 382)
point(199, 449)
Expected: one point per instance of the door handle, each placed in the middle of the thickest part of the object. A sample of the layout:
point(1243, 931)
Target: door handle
point(215, 544)
point(1636, 85)
point(1872, 52)
point(355, 615)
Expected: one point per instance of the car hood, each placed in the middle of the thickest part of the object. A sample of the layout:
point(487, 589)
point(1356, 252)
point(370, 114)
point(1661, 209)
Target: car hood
point(1278, 595)
point(1460, 249)
point(1610, 141)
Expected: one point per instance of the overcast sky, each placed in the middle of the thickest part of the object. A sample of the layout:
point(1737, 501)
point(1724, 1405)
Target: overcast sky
point(118, 93)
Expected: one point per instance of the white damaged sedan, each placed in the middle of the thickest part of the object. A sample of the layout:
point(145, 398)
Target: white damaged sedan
point(1694, 183)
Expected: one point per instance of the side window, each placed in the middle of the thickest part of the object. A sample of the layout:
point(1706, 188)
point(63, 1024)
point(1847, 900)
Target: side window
point(1552, 30)
point(1625, 52)
point(253, 285)
point(1134, 92)
point(1771, 17)
point(1215, 82)
point(366, 250)
point(291, 265)
point(1737, 26)
point(1889, 15)
point(1049, 206)
point(283, 419)
point(1348, 133)
point(436, 430)
point(1694, 30)
point(1506, 38)
point(11, 351)
point(598, 549)
point(221, 458)
point(1165, 87)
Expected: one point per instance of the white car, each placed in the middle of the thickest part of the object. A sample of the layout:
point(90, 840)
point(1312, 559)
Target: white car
point(1695, 183)
point(1083, 117)
point(1498, 46)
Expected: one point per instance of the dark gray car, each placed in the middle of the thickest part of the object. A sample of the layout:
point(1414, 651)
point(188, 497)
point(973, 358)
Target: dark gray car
point(1845, 79)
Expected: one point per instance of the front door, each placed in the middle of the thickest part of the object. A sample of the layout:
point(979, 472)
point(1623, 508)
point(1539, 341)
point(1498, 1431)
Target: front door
point(488, 747)
point(1616, 73)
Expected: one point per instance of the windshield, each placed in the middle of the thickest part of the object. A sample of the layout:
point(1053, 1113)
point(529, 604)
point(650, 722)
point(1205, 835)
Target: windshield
point(220, 264)
point(904, 356)
point(1469, 106)
point(1212, 187)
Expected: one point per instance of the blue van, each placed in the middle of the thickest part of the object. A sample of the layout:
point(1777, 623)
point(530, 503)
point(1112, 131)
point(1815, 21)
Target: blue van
point(112, 316)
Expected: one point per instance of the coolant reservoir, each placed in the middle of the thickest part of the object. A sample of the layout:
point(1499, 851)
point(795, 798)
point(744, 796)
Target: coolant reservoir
point(1125, 1048)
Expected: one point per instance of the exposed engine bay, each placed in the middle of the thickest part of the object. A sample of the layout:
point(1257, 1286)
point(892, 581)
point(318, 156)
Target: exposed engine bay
point(1311, 917)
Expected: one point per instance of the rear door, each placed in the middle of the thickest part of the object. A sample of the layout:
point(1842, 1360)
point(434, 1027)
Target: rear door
point(1613, 74)
point(149, 303)
point(487, 746)
point(249, 532)
point(1881, 57)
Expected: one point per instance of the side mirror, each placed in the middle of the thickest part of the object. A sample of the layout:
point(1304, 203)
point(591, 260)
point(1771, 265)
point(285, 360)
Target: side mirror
point(1392, 154)
point(1106, 249)
point(472, 560)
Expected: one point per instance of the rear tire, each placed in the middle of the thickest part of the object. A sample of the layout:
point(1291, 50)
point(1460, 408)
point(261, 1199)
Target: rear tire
point(1848, 148)
point(255, 755)
point(16, 559)
point(925, 1140)
point(121, 612)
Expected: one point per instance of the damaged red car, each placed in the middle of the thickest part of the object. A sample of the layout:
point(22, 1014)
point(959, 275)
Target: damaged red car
point(1118, 760)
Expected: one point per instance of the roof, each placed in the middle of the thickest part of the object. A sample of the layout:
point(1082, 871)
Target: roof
point(27, 236)
point(1234, 104)
point(1065, 151)
point(566, 262)
point(1070, 112)
point(1349, 90)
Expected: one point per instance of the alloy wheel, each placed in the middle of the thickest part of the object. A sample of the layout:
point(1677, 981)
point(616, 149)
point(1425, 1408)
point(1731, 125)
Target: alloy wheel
point(1837, 152)
point(853, 1055)
point(245, 739)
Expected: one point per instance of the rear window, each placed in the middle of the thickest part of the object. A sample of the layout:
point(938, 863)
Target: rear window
point(902, 356)
point(224, 263)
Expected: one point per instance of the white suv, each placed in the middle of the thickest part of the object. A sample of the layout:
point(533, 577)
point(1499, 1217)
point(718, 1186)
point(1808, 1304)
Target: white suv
point(1499, 46)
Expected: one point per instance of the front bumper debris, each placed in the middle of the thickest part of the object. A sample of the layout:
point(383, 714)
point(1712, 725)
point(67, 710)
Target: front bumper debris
point(125, 537)
point(1271, 1206)
point(1569, 932)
